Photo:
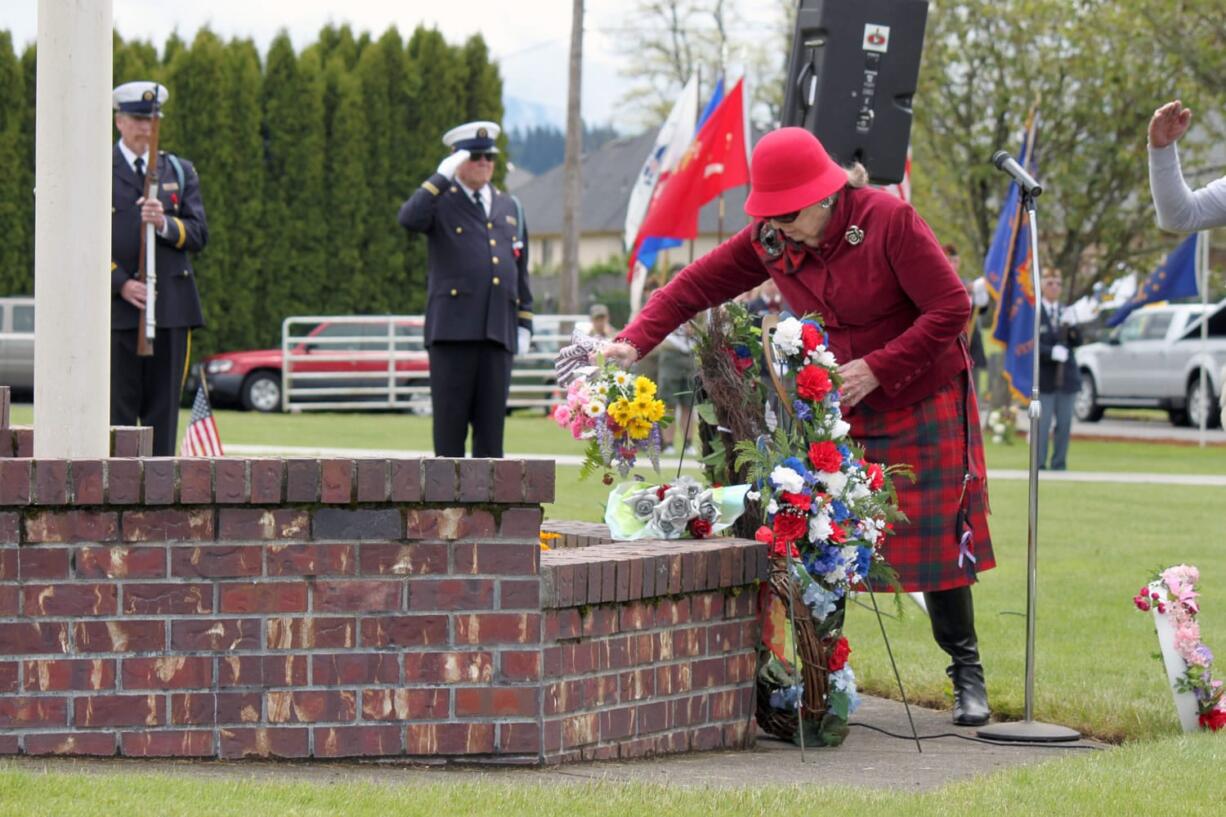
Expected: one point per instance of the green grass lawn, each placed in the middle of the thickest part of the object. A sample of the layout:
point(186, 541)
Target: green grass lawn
point(1180, 775)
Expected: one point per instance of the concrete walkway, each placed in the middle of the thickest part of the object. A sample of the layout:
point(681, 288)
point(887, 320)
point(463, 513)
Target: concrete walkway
point(868, 759)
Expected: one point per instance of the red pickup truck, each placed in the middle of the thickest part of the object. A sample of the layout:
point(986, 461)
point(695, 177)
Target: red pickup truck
point(336, 354)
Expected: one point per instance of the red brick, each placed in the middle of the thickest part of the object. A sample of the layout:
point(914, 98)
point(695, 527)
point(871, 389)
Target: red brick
point(373, 483)
point(181, 743)
point(347, 669)
point(263, 523)
point(617, 724)
point(311, 560)
point(498, 559)
point(33, 711)
point(358, 741)
point(520, 523)
point(449, 739)
point(43, 563)
point(498, 628)
point(169, 525)
point(579, 730)
point(476, 481)
point(265, 742)
point(230, 476)
point(10, 599)
point(404, 631)
point(448, 667)
point(123, 481)
point(15, 482)
point(267, 478)
point(215, 635)
point(406, 481)
point(119, 636)
point(311, 633)
point(8, 564)
point(600, 621)
point(519, 738)
point(608, 581)
point(167, 599)
point(710, 672)
point(216, 561)
point(449, 524)
point(452, 594)
point(98, 744)
point(160, 481)
point(23, 441)
point(69, 600)
point(50, 482)
point(263, 597)
point(263, 670)
point(439, 480)
point(120, 562)
point(508, 481)
point(131, 441)
point(195, 481)
point(706, 607)
point(302, 480)
point(636, 685)
point(87, 482)
point(405, 704)
point(496, 702)
point(72, 526)
point(167, 672)
point(521, 665)
point(569, 623)
point(364, 523)
point(419, 558)
point(118, 710)
point(64, 674)
point(337, 481)
point(356, 595)
point(201, 708)
point(310, 707)
point(10, 527)
point(672, 612)
point(539, 481)
point(8, 676)
point(635, 616)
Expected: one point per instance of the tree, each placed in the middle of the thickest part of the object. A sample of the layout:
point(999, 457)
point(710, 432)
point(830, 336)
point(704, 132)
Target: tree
point(16, 177)
point(1193, 32)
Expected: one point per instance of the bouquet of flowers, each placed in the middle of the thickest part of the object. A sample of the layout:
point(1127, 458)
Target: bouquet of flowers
point(617, 413)
point(671, 511)
point(828, 510)
point(1173, 593)
point(1002, 422)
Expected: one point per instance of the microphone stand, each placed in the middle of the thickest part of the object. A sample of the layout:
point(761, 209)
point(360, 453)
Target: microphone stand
point(1029, 730)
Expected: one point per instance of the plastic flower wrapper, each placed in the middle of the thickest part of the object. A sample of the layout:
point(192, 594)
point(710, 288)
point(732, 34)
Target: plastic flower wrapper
point(672, 510)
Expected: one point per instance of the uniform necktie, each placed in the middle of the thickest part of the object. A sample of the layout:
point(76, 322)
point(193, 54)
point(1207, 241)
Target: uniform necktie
point(477, 201)
point(139, 164)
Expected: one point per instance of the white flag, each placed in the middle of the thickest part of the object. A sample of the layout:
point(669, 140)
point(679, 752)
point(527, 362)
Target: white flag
point(671, 143)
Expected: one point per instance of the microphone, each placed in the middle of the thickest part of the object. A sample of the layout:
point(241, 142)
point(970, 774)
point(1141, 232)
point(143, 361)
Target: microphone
point(1007, 163)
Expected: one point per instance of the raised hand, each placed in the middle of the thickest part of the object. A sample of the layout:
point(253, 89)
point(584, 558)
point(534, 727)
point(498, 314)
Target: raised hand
point(1169, 122)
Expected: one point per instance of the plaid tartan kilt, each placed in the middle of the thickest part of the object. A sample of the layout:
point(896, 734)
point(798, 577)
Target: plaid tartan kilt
point(931, 436)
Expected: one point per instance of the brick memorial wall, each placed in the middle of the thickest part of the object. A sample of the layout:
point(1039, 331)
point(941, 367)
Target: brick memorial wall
point(339, 608)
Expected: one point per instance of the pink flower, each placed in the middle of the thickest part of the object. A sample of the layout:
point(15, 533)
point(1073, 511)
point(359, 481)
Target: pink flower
point(562, 415)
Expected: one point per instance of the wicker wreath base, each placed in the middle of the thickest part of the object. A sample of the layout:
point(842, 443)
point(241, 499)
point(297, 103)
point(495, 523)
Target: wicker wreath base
point(812, 653)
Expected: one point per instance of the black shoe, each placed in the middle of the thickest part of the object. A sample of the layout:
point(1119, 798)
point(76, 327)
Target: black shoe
point(952, 613)
point(970, 695)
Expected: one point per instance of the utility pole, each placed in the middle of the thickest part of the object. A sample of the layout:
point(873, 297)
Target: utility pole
point(572, 196)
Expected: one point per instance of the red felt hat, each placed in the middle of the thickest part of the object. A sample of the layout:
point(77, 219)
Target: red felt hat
point(789, 171)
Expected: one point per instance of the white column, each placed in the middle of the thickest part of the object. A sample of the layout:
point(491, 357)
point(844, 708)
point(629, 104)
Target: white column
point(72, 230)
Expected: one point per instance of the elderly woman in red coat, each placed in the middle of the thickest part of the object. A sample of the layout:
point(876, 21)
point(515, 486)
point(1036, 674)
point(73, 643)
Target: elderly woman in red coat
point(895, 311)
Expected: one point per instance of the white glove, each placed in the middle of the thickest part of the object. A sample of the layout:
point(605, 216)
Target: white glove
point(524, 338)
point(1059, 353)
point(979, 292)
point(448, 166)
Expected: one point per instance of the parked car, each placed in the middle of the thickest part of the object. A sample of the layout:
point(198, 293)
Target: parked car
point(1154, 359)
point(334, 355)
point(17, 344)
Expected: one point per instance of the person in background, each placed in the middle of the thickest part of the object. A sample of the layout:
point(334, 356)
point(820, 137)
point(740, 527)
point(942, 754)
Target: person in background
point(896, 314)
point(601, 328)
point(478, 300)
point(766, 300)
point(678, 369)
point(1059, 378)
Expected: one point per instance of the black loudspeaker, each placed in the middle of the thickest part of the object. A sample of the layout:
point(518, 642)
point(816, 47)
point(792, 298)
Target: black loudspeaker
point(851, 78)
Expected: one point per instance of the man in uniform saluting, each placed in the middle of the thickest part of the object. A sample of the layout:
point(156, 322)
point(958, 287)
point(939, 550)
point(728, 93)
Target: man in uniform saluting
point(478, 303)
point(147, 388)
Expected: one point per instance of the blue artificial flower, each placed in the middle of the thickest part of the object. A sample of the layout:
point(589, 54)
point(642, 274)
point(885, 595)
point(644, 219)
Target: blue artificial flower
point(864, 558)
point(799, 467)
point(843, 682)
point(820, 600)
point(787, 697)
point(845, 451)
point(803, 411)
point(839, 510)
point(741, 350)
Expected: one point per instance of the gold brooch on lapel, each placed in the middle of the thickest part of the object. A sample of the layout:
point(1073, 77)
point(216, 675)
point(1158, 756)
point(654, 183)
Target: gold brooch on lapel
point(854, 235)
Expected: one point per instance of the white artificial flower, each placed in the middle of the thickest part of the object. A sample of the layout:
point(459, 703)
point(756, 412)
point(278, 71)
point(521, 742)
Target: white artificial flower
point(840, 429)
point(622, 379)
point(602, 389)
point(772, 507)
point(823, 357)
point(820, 528)
point(594, 409)
point(785, 479)
point(787, 337)
point(859, 491)
point(753, 496)
point(836, 483)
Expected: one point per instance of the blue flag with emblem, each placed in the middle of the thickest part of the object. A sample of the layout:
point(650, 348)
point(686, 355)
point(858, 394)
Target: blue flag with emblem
point(1010, 278)
point(1174, 278)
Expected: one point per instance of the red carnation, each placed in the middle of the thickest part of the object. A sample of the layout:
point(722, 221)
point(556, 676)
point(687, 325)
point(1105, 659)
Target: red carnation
point(1213, 720)
point(838, 535)
point(810, 337)
point(876, 476)
point(699, 528)
point(800, 502)
point(790, 527)
point(838, 656)
point(660, 491)
point(825, 457)
point(812, 383)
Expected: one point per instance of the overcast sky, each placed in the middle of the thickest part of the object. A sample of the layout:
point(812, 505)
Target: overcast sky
point(529, 38)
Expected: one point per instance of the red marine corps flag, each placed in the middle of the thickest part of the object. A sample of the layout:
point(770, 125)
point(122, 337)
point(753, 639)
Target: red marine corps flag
point(201, 438)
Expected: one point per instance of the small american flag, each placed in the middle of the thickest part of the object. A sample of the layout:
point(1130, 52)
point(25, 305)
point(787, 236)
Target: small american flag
point(201, 438)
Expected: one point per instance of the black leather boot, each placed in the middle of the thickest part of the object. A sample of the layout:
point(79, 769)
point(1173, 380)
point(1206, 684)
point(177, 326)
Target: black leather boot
point(952, 613)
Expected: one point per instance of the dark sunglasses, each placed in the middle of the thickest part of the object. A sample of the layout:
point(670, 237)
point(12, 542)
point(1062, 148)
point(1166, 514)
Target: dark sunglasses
point(476, 157)
point(786, 218)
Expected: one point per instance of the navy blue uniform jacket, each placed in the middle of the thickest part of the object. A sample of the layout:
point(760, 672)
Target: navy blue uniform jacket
point(178, 302)
point(477, 284)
